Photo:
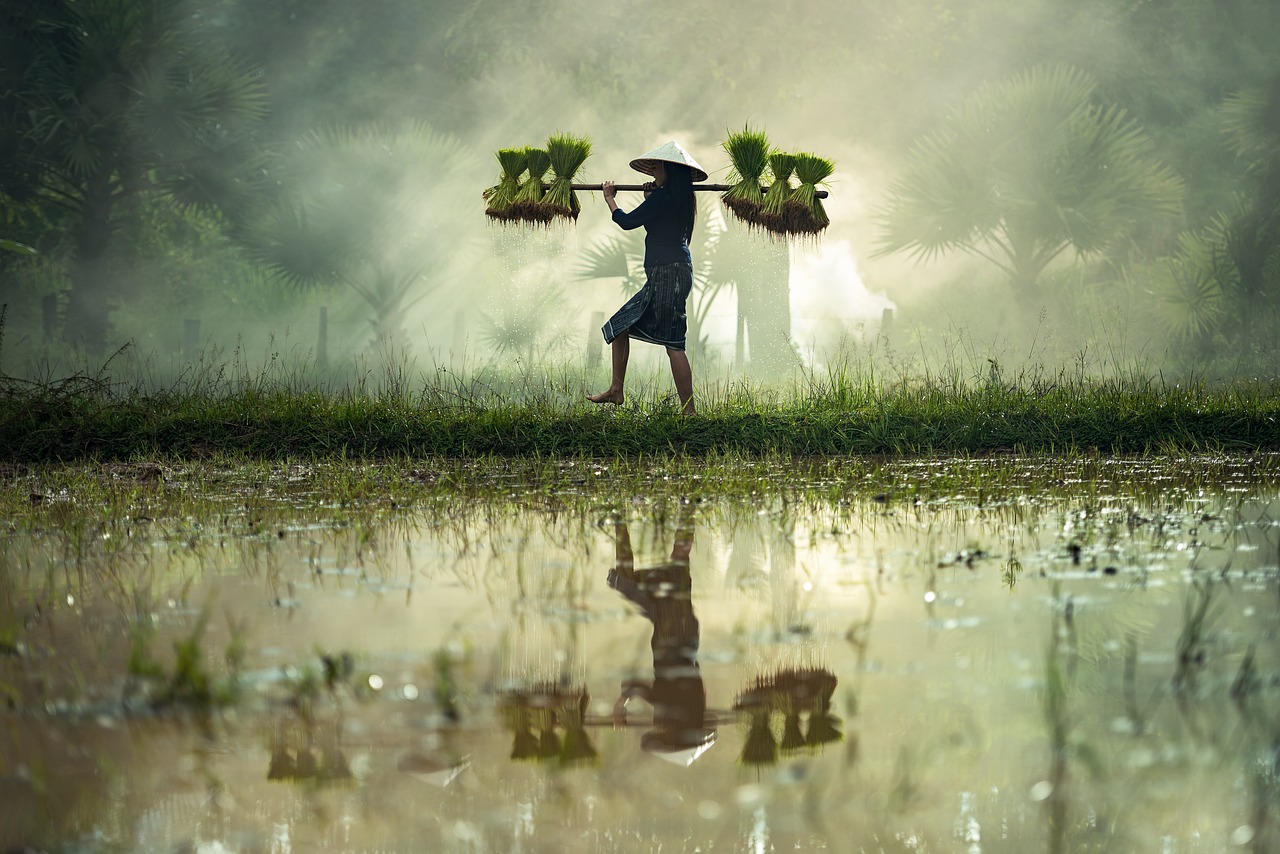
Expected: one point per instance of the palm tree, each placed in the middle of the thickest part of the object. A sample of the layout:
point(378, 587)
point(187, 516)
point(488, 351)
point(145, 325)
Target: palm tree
point(759, 270)
point(1024, 170)
point(371, 209)
point(1251, 233)
point(107, 100)
point(1223, 279)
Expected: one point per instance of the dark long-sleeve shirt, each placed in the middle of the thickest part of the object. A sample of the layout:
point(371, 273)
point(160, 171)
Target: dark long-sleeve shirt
point(664, 239)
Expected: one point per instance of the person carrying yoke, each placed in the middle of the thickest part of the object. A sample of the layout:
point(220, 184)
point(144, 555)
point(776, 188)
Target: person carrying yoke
point(656, 313)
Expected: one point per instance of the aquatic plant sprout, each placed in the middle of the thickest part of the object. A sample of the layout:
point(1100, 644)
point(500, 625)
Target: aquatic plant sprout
point(773, 215)
point(514, 162)
point(567, 154)
point(773, 209)
point(806, 214)
point(530, 204)
point(748, 150)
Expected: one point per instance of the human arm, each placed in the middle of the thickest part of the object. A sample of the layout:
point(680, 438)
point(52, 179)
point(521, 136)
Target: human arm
point(648, 210)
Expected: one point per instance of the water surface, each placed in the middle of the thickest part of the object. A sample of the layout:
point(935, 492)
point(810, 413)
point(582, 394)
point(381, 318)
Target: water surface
point(924, 657)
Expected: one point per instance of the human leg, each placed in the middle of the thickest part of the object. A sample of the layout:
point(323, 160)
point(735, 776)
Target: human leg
point(619, 353)
point(683, 376)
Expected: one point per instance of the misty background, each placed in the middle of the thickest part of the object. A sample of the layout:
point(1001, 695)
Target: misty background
point(1062, 182)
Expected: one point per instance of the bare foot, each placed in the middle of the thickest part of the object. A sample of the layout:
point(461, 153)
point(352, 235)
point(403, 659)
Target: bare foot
point(607, 396)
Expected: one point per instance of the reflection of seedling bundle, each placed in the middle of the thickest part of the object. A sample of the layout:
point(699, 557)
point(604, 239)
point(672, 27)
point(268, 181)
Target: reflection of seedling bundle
point(548, 724)
point(502, 195)
point(798, 696)
point(748, 150)
point(295, 756)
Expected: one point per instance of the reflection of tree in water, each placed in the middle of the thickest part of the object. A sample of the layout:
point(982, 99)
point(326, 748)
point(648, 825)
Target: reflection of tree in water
point(664, 594)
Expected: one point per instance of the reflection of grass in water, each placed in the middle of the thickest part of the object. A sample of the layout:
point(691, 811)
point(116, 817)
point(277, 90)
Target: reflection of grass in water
point(1192, 639)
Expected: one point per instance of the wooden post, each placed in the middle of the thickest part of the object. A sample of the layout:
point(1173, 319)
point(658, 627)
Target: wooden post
point(740, 344)
point(322, 339)
point(595, 343)
point(190, 338)
point(886, 324)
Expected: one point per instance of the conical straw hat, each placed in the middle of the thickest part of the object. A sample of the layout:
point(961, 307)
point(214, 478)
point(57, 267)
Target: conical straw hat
point(669, 152)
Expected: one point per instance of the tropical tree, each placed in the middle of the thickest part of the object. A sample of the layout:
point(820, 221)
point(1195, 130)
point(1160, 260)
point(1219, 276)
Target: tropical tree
point(1252, 232)
point(371, 209)
point(1023, 171)
point(1223, 282)
point(104, 101)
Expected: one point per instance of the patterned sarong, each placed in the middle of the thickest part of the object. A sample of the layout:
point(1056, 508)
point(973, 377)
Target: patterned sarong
point(656, 312)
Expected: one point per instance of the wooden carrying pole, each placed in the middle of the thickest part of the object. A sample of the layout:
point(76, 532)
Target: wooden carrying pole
point(700, 188)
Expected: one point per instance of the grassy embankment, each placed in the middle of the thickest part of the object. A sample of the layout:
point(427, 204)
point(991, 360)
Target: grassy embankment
point(84, 418)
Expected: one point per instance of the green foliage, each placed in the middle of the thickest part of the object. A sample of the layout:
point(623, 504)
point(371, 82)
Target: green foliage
point(1190, 304)
point(368, 208)
point(17, 248)
point(112, 100)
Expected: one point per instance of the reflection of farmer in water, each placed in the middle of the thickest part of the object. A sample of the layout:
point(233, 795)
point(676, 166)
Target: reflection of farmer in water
point(664, 595)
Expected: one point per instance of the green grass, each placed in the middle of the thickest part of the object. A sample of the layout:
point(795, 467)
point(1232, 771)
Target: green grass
point(81, 419)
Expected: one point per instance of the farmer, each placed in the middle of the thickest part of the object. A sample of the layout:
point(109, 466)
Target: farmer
point(657, 312)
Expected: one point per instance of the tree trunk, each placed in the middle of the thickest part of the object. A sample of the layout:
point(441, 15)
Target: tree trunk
point(764, 302)
point(88, 299)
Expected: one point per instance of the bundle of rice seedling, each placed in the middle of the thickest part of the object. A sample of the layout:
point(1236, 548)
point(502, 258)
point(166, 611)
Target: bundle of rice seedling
point(773, 214)
point(567, 154)
point(530, 203)
point(804, 211)
point(792, 736)
point(760, 746)
point(749, 152)
point(824, 728)
point(501, 196)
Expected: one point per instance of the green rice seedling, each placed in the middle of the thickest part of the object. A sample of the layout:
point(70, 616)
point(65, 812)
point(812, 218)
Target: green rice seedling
point(748, 150)
point(500, 197)
point(773, 214)
point(567, 153)
point(530, 203)
point(805, 214)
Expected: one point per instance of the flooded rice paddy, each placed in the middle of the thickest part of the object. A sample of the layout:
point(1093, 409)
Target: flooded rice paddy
point(955, 655)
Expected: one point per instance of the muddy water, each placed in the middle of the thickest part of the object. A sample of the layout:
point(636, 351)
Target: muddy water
point(1091, 665)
